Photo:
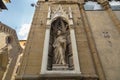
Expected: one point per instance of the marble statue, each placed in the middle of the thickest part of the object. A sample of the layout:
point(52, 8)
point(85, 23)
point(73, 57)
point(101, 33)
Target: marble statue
point(59, 48)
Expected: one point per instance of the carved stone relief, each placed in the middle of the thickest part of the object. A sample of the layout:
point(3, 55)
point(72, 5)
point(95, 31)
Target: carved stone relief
point(53, 14)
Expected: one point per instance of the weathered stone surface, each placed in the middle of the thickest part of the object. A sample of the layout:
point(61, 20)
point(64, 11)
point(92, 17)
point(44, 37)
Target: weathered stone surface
point(107, 42)
point(10, 49)
point(97, 40)
point(117, 14)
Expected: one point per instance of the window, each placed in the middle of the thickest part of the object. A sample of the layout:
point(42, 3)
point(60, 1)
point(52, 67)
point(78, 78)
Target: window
point(9, 39)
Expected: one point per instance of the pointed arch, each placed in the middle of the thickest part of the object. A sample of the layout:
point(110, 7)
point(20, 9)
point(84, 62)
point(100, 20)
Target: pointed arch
point(60, 24)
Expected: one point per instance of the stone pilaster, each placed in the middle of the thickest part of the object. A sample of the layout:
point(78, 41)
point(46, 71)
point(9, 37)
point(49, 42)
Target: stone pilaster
point(91, 43)
point(112, 15)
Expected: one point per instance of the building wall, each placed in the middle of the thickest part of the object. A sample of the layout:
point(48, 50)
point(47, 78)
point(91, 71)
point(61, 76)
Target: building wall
point(107, 44)
point(32, 58)
point(85, 57)
point(117, 14)
point(31, 61)
point(3, 62)
point(13, 50)
point(102, 29)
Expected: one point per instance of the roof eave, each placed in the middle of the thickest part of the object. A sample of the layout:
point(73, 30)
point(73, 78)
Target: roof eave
point(2, 5)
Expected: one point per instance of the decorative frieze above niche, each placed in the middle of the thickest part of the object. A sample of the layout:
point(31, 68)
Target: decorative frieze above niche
point(59, 12)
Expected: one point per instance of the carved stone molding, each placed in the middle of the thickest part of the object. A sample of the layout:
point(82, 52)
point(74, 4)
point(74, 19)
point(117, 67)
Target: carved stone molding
point(47, 27)
point(105, 5)
point(65, 2)
point(6, 29)
point(92, 46)
point(81, 6)
point(38, 3)
point(59, 12)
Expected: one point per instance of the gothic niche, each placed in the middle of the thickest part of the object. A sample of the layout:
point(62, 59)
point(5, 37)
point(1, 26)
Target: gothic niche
point(60, 55)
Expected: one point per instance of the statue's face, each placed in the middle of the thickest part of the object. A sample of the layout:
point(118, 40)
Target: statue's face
point(59, 32)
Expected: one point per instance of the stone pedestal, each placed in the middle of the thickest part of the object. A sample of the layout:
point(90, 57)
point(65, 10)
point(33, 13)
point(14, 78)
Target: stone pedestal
point(60, 67)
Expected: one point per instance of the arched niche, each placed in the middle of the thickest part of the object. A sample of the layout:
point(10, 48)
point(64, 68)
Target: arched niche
point(72, 60)
point(60, 24)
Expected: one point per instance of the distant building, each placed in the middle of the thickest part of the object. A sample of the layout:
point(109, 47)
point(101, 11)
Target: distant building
point(10, 49)
point(22, 43)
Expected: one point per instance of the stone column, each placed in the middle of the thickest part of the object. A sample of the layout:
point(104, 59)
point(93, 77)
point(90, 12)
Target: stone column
point(91, 43)
point(107, 8)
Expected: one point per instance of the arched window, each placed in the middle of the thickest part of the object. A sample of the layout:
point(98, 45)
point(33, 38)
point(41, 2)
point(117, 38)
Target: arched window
point(9, 39)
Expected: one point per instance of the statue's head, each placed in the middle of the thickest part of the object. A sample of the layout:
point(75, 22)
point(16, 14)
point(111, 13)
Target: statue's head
point(59, 32)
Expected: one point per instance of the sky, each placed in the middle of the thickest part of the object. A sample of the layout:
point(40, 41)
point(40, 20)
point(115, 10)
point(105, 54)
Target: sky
point(20, 13)
point(19, 16)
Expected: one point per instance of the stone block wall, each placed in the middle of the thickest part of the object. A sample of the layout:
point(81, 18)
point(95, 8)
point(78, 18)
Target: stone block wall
point(97, 39)
point(13, 50)
point(107, 39)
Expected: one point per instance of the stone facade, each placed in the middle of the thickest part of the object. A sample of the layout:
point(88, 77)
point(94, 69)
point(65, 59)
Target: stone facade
point(97, 35)
point(9, 51)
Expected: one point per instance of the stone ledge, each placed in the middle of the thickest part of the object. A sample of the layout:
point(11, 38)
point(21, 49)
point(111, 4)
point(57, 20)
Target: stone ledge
point(57, 76)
